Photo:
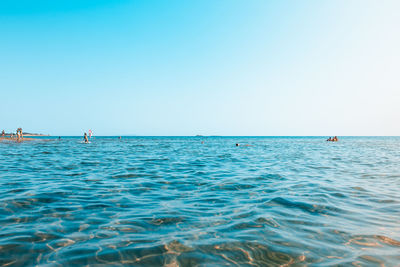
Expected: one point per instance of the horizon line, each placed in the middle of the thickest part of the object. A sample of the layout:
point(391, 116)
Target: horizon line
point(94, 136)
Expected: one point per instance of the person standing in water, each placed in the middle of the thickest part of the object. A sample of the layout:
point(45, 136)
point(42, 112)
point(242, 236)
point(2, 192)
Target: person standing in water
point(85, 138)
point(20, 137)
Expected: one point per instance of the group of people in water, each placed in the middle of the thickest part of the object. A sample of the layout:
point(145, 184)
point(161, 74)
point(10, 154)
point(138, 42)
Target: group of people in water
point(332, 139)
point(86, 137)
point(19, 134)
point(20, 137)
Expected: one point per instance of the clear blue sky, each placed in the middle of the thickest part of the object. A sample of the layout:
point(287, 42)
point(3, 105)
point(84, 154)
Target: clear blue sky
point(200, 67)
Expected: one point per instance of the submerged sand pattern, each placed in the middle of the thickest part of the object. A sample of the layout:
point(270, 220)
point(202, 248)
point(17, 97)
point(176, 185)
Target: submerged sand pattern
point(178, 202)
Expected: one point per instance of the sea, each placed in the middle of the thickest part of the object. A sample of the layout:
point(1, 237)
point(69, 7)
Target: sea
point(200, 201)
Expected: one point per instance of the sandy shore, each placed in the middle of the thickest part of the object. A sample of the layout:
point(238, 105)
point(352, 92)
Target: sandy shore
point(5, 138)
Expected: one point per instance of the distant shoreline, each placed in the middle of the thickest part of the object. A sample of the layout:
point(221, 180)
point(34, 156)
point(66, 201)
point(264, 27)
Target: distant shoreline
point(33, 134)
point(11, 137)
point(26, 134)
point(5, 138)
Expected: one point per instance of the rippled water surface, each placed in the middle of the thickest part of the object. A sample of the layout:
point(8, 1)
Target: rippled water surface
point(180, 202)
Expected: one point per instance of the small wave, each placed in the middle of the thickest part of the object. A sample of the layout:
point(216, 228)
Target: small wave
point(167, 220)
point(128, 175)
point(76, 174)
point(90, 163)
point(310, 208)
point(267, 221)
point(172, 201)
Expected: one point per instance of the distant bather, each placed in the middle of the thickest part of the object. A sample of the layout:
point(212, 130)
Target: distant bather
point(85, 138)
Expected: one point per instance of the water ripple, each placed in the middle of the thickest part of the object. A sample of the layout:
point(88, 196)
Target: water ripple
point(177, 201)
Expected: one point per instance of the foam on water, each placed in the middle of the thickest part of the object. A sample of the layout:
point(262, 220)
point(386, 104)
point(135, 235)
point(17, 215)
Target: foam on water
point(176, 201)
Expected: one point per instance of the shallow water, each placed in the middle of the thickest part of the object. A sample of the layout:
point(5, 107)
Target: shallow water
point(175, 201)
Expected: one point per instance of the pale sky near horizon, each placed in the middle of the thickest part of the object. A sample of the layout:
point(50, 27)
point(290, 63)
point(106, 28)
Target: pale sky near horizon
point(205, 67)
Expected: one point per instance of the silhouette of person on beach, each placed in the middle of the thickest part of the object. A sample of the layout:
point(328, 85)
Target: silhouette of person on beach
point(3, 133)
point(85, 138)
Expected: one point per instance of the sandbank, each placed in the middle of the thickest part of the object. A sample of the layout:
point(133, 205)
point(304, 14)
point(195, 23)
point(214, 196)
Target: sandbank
point(14, 139)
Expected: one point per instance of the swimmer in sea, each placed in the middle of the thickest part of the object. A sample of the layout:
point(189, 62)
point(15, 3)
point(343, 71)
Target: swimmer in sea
point(237, 144)
point(329, 139)
point(85, 138)
point(335, 139)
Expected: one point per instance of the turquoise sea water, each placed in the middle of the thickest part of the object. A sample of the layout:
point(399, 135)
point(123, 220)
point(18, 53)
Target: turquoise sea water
point(153, 201)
